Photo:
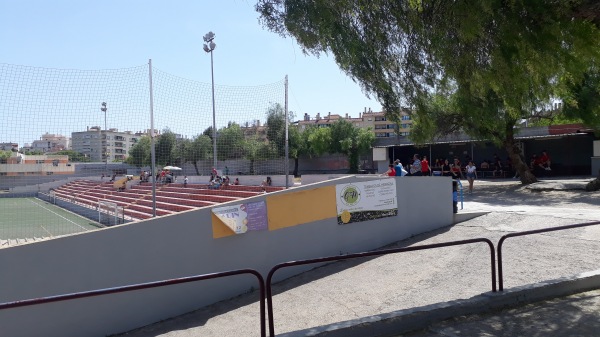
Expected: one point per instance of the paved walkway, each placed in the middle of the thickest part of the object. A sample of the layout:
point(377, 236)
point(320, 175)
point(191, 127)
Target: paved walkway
point(575, 315)
point(350, 298)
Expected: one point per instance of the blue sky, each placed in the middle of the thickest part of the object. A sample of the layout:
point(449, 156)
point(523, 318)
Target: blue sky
point(90, 35)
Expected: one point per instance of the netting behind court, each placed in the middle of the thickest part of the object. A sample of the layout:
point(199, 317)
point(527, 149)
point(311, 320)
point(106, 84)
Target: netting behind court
point(30, 219)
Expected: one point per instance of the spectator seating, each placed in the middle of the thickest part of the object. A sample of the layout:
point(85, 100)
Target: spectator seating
point(171, 198)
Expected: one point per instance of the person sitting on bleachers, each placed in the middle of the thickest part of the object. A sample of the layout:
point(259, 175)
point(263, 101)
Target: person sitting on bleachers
point(215, 184)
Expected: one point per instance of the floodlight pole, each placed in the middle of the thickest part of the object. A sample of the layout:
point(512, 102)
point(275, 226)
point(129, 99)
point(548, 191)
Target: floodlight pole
point(209, 47)
point(105, 149)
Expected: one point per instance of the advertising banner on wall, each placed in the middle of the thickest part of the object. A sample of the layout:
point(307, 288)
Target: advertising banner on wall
point(245, 217)
point(368, 200)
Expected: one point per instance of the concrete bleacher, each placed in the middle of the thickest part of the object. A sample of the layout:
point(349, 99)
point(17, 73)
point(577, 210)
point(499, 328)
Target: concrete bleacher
point(136, 200)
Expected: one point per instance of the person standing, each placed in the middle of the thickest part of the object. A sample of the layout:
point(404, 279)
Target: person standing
point(425, 166)
point(447, 169)
point(457, 168)
point(400, 171)
point(185, 181)
point(471, 174)
point(415, 167)
point(497, 166)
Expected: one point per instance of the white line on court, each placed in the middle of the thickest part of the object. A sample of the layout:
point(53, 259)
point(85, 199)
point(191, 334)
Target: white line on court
point(49, 210)
point(46, 231)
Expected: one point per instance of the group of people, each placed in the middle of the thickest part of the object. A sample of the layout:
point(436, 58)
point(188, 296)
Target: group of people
point(416, 167)
point(421, 167)
point(216, 181)
point(144, 176)
point(454, 168)
point(540, 163)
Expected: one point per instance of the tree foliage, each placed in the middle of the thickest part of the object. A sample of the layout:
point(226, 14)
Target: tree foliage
point(74, 156)
point(473, 66)
point(341, 137)
point(582, 99)
point(139, 154)
point(200, 148)
point(164, 145)
point(5, 154)
point(276, 128)
point(230, 142)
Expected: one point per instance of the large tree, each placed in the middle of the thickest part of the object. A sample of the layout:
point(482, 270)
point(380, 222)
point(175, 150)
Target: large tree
point(200, 148)
point(164, 146)
point(341, 137)
point(231, 142)
point(276, 128)
point(139, 154)
point(471, 66)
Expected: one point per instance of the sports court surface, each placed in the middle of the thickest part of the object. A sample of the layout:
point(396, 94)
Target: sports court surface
point(32, 218)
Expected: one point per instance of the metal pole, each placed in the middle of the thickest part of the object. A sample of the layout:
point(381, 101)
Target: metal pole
point(212, 75)
point(287, 148)
point(105, 142)
point(103, 149)
point(152, 151)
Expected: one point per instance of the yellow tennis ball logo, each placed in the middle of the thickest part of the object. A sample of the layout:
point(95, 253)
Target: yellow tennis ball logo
point(345, 216)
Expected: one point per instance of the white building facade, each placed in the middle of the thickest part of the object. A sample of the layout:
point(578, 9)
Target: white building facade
point(104, 145)
point(51, 143)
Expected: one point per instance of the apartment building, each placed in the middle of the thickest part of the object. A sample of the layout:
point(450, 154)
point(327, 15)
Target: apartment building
point(9, 146)
point(49, 142)
point(377, 121)
point(104, 145)
point(34, 165)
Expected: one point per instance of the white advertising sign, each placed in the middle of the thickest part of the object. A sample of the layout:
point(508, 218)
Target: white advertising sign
point(368, 200)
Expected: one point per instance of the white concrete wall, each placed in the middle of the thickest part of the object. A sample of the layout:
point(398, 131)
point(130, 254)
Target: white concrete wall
point(182, 245)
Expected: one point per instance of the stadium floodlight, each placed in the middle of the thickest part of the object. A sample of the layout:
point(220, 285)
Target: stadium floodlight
point(209, 46)
point(105, 149)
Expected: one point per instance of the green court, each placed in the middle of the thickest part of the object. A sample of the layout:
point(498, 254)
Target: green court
point(24, 218)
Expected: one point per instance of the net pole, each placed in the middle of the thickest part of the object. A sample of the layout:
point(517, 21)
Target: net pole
point(286, 164)
point(214, 131)
point(152, 150)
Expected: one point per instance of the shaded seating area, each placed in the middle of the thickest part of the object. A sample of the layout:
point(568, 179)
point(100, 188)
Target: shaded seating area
point(136, 200)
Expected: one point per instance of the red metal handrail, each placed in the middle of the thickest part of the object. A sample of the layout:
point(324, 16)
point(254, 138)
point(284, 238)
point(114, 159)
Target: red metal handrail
point(139, 286)
point(368, 254)
point(536, 231)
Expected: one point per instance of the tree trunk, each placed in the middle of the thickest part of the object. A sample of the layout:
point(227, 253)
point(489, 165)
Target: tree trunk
point(520, 167)
point(353, 161)
point(296, 167)
point(196, 167)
